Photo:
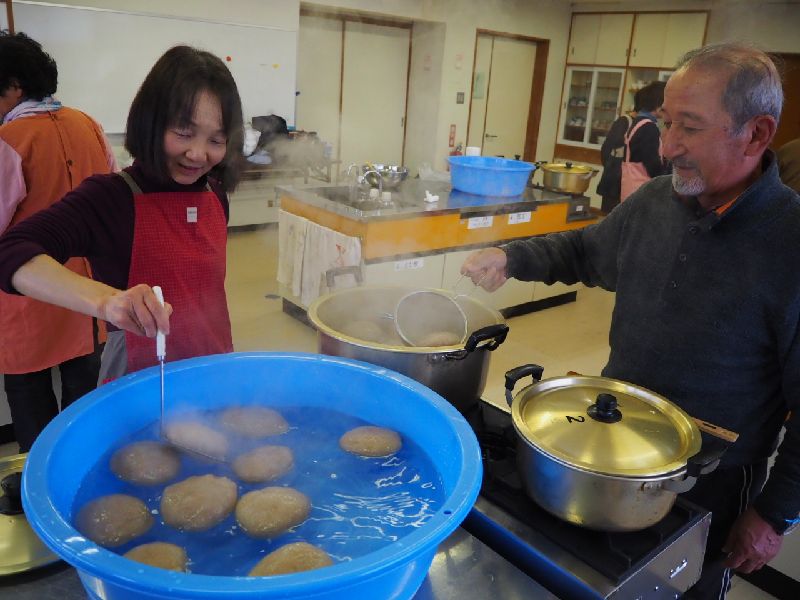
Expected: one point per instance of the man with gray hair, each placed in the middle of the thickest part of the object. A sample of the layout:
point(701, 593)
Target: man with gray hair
point(707, 310)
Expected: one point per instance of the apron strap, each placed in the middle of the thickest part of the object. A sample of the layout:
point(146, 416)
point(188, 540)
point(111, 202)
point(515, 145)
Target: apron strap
point(137, 191)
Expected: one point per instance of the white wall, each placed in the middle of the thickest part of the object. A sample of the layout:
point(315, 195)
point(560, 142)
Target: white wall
point(276, 13)
point(424, 90)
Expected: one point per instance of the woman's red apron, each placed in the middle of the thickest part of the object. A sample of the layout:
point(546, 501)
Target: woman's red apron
point(179, 242)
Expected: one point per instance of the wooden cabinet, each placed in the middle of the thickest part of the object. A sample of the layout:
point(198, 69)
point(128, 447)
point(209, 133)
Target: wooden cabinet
point(659, 39)
point(600, 39)
point(613, 39)
point(583, 39)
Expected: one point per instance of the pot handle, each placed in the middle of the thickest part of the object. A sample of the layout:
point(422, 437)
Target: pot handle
point(702, 463)
point(332, 274)
point(496, 333)
point(517, 373)
point(707, 459)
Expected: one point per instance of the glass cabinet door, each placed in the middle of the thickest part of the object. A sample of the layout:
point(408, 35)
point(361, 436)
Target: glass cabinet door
point(577, 98)
point(591, 104)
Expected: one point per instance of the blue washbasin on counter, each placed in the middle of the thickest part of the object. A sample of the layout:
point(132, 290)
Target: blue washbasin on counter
point(409, 200)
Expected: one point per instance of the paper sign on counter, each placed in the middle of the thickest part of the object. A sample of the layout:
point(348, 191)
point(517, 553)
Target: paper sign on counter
point(410, 264)
point(520, 217)
point(479, 222)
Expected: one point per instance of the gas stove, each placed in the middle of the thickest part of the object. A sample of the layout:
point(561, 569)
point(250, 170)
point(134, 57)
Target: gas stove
point(662, 561)
point(579, 207)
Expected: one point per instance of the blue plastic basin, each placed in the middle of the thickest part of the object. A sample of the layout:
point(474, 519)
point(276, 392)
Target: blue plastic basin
point(489, 175)
point(65, 452)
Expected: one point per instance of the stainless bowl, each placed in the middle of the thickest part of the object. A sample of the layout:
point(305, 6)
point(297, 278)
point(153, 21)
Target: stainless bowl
point(392, 175)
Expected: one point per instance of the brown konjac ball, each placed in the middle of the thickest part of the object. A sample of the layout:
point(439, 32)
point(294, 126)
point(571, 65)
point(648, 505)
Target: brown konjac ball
point(254, 421)
point(265, 463)
point(159, 554)
point(272, 511)
point(114, 520)
point(146, 463)
point(371, 441)
point(198, 438)
point(291, 558)
point(198, 503)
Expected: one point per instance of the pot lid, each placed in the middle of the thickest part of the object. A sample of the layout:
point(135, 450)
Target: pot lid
point(605, 426)
point(20, 548)
point(567, 167)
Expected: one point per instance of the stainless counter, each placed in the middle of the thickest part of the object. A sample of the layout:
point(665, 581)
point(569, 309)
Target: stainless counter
point(463, 569)
point(409, 201)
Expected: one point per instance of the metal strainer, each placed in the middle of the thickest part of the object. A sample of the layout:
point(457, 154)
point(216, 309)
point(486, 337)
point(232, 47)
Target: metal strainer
point(430, 318)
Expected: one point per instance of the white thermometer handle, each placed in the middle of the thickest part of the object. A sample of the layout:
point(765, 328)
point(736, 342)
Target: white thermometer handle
point(161, 342)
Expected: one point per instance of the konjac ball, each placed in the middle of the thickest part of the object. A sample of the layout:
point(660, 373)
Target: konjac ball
point(371, 441)
point(271, 511)
point(198, 503)
point(291, 558)
point(114, 520)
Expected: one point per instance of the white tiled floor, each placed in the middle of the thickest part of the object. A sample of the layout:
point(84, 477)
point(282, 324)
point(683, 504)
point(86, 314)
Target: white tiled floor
point(573, 337)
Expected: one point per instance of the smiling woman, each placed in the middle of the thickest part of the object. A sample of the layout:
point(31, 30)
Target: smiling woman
point(161, 221)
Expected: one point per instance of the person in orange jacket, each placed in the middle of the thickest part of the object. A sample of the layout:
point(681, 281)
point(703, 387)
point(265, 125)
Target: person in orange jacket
point(46, 150)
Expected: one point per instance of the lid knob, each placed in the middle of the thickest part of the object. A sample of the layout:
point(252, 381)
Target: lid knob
point(605, 409)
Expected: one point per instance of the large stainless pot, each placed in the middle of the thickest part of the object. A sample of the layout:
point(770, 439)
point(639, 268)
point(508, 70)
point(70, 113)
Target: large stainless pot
point(566, 177)
point(602, 453)
point(458, 373)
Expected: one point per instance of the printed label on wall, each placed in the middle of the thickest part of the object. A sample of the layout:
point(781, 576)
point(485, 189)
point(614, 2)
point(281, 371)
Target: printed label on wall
point(410, 264)
point(520, 217)
point(479, 222)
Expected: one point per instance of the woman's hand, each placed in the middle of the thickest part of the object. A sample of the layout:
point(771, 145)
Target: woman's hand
point(136, 310)
point(486, 268)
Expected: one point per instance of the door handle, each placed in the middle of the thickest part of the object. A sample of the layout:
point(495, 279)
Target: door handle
point(489, 136)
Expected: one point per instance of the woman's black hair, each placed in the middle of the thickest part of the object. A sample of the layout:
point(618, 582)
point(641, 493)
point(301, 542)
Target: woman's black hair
point(23, 63)
point(650, 97)
point(167, 98)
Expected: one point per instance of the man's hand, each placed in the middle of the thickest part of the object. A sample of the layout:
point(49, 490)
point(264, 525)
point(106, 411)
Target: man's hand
point(486, 268)
point(137, 310)
point(752, 543)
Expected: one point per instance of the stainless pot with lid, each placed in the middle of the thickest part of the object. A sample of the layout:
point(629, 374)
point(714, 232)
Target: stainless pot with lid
point(602, 453)
point(565, 177)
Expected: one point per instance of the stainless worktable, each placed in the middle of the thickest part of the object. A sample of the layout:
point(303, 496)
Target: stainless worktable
point(408, 201)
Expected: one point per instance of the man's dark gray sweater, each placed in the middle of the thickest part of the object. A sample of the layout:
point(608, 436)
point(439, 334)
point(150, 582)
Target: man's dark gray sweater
point(707, 311)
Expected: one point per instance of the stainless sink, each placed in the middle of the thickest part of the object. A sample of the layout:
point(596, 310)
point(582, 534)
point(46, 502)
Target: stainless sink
point(353, 197)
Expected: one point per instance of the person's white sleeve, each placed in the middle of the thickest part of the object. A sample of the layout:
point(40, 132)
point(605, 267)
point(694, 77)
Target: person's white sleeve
point(12, 184)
